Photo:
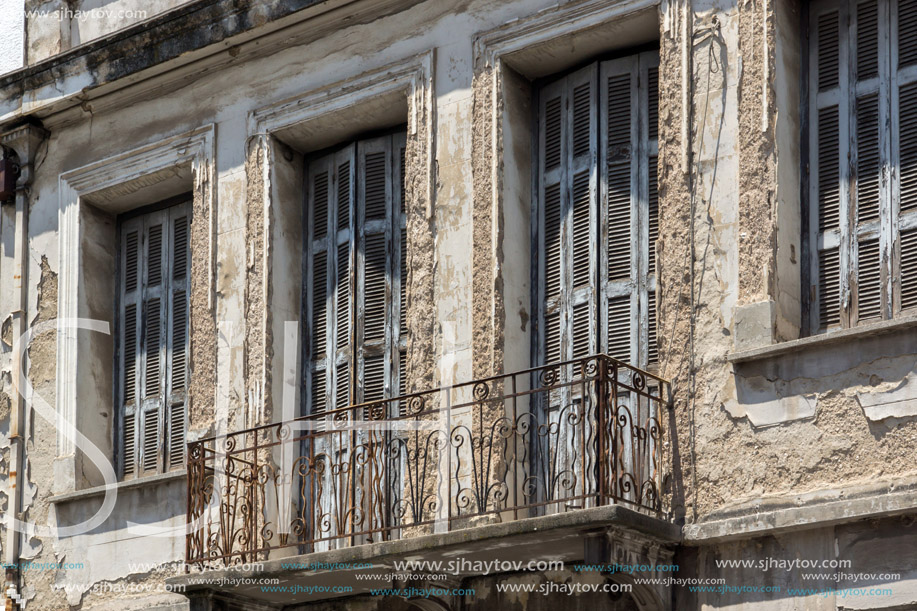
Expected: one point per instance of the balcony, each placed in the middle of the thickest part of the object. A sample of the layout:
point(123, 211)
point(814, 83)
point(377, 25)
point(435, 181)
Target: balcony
point(563, 438)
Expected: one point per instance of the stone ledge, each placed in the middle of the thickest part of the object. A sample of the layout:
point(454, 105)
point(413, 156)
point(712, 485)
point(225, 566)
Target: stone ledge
point(777, 515)
point(825, 339)
point(142, 482)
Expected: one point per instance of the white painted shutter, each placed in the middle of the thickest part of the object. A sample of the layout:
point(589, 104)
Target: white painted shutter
point(868, 256)
point(863, 96)
point(620, 153)
point(552, 152)
point(355, 237)
point(154, 333)
point(649, 212)
point(582, 215)
point(568, 232)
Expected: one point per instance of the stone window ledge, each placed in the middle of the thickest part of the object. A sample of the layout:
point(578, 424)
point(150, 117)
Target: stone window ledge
point(825, 339)
point(141, 482)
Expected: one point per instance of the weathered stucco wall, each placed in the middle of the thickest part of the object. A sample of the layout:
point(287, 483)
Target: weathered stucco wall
point(826, 415)
point(807, 420)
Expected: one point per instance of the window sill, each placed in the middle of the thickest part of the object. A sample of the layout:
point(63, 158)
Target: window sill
point(825, 339)
point(142, 482)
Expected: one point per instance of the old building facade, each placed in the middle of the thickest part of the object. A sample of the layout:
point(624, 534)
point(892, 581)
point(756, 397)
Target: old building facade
point(294, 288)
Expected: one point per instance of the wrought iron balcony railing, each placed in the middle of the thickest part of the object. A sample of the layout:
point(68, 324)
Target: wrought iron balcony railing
point(563, 437)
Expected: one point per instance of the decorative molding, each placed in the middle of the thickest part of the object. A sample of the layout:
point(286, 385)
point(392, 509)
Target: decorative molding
point(556, 22)
point(413, 75)
point(195, 149)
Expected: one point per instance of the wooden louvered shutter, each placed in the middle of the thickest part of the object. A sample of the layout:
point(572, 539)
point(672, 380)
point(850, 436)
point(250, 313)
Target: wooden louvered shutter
point(581, 216)
point(551, 171)
point(177, 380)
point(869, 96)
point(374, 293)
point(622, 217)
point(155, 296)
point(320, 218)
point(343, 192)
point(400, 280)
point(568, 195)
point(904, 107)
point(129, 348)
point(153, 342)
point(599, 211)
point(829, 144)
point(652, 189)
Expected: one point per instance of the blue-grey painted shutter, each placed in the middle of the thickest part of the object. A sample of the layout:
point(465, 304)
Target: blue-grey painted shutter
point(320, 255)
point(177, 381)
point(904, 108)
point(400, 280)
point(153, 340)
point(129, 348)
point(374, 291)
point(629, 151)
point(829, 143)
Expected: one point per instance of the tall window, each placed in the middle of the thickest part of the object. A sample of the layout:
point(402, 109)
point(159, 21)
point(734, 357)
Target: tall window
point(597, 221)
point(153, 339)
point(863, 160)
point(355, 264)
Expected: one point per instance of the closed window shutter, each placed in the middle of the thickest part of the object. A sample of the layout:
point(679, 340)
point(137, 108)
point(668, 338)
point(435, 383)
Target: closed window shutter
point(154, 319)
point(581, 216)
point(907, 138)
point(374, 291)
point(649, 66)
point(357, 257)
point(868, 256)
point(907, 33)
point(344, 189)
point(153, 340)
point(908, 259)
point(130, 355)
point(568, 234)
point(867, 146)
point(905, 262)
point(829, 146)
point(178, 365)
point(319, 216)
point(623, 215)
point(598, 148)
point(869, 280)
point(863, 109)
point(552, 243)
point(399, 226)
